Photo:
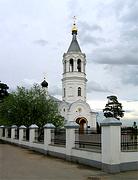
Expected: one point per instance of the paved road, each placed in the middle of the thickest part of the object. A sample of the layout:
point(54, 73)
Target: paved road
point(21, 164)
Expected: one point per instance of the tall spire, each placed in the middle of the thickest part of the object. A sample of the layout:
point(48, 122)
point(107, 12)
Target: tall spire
point(74, 46)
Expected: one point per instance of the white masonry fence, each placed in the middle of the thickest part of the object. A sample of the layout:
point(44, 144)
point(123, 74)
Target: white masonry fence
point(105, 151)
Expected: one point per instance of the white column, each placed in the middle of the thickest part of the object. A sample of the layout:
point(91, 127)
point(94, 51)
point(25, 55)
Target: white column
point(32, 129)
point(82, 66)
point(75, 65)
point(21, 132)
point(6, 132)
point(111, 145)
point(70, 137)
point(13, 127)
point(1, 131)
point(48, 134)
point(67, 66)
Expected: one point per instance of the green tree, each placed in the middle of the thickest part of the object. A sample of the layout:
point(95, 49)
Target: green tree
point(113, 108)
point(30, 106)
point(3, 91)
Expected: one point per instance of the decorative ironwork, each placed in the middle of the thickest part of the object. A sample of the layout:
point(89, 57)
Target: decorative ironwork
point(3, 132)
point(39, 135)
point(88, 139)
point(17, 133)
point(59, 137)
point(129, 139)
point(9, 132)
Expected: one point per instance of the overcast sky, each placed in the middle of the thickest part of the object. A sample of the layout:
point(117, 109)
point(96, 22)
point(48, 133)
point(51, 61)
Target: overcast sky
point(34, 34)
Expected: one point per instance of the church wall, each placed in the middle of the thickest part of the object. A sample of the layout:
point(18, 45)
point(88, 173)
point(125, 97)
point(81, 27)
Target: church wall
point(90, 119)
point(76, 110)
point(71, 90)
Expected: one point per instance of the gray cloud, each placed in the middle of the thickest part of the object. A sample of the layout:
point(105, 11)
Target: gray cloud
point(88, 39)
point(123, 46)
point(133, 100)
point(126, 76)
point(88, 27)
point(121, 54)
point(94, 86)
point(41, 42)
point(118, 60)
point(55, 91)
point(130, 35)
point(89, 34)
point(130, 12)
point(130, 76)
point(129, 111)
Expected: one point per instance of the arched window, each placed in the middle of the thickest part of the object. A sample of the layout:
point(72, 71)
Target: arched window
point(71, 65)
point(64, 92)
point(79, 65)
point(79, 91)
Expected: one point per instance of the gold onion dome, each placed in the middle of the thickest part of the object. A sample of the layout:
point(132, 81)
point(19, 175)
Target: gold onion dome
point(74, 29)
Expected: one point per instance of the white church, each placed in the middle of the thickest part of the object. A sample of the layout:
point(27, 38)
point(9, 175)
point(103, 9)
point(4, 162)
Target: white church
point(73, 106)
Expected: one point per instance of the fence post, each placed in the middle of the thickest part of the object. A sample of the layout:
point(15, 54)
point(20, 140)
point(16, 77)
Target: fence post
point(70, 137)
point(6, 132)
point(13, 127)
point(21, 133)
point(48, 134)
point(111, 145)
point(1, 131)
point(32, 129)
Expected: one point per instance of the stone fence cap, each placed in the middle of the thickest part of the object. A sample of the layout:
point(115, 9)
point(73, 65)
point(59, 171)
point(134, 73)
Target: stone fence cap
point(22, 127)
point(49, 126)
point(110, 122)
point(2, 126)
point(71, 124)
point(33, 126)
point(13, 126)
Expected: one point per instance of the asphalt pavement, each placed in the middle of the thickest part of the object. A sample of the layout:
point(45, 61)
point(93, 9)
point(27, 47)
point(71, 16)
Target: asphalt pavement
point(17, 163)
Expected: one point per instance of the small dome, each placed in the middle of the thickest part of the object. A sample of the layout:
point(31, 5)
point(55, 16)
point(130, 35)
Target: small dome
point(44, 84)
point(74, 29)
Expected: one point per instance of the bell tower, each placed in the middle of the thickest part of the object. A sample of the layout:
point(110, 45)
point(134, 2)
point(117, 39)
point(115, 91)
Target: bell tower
point(74, 77)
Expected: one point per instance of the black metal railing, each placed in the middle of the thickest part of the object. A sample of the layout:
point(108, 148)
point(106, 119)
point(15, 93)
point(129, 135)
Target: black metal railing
point(129, 139)
point(9, 132)
point(39, 135)
point(17, 133)
point(88, 139)
point(27, 134)
point(59, 137)
point(3, 132)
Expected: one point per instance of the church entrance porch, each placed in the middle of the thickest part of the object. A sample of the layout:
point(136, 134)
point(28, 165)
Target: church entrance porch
point(82, 121)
